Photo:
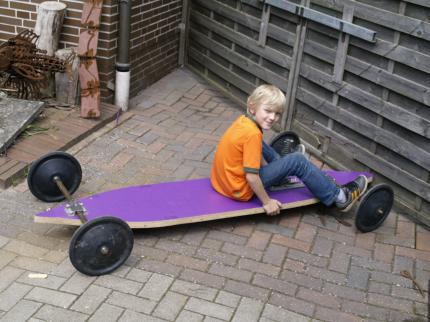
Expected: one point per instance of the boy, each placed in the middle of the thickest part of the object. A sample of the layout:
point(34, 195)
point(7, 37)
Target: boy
point(237, 171)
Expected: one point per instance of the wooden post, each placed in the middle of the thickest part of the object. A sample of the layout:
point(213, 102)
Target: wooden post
point(50, 15)
point(66, 84)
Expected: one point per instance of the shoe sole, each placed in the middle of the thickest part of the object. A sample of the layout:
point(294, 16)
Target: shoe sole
point(354, 201)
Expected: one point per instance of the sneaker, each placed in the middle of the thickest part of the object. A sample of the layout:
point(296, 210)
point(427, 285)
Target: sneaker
point(353, 191)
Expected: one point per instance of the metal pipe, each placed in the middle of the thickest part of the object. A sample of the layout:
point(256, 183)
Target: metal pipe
point(122, 65)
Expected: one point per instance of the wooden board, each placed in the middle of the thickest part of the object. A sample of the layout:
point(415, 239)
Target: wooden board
point(175, 203)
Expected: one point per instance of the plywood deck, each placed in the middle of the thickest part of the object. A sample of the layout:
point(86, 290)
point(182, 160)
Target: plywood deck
point(64, 129)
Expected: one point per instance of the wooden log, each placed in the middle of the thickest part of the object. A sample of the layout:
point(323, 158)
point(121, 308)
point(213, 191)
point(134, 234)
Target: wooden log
point(50, 15)
point(66, 84)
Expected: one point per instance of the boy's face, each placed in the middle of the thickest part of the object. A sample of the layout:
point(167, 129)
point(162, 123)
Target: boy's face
point(265, 117)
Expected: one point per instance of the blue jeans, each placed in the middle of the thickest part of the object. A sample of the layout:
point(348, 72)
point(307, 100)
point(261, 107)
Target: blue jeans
point(296, 164)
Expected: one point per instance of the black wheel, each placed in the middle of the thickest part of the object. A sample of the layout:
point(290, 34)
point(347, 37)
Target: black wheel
point(101, 245)
point(40, 178)
point(374, 208)
point(285, 143)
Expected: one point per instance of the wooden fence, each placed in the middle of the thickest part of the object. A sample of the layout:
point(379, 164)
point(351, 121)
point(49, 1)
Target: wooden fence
point(356, 75)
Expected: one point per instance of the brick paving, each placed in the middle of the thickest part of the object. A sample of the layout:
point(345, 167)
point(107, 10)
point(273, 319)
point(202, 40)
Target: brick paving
point(293, 267)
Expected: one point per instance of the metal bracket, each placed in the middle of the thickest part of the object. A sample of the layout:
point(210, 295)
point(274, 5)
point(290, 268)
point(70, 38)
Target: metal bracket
point(74, 208)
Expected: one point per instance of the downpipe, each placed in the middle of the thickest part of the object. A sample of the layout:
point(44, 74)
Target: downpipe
point(122, 64)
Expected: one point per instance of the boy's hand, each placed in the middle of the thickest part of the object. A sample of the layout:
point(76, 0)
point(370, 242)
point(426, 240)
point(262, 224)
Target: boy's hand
point(272, 207)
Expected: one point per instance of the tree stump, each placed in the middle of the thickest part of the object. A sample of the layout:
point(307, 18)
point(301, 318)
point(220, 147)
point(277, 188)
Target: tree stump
point(66, 84)
point(50, 15)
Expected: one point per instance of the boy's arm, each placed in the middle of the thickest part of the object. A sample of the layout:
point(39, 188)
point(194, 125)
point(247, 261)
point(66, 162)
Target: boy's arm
point(270, 206)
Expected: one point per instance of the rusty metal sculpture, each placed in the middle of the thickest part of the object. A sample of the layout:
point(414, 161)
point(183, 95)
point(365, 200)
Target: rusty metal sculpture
point(23, 67)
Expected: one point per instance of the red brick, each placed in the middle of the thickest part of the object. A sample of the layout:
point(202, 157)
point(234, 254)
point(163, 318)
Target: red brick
point(383, 252)
point(291, 243)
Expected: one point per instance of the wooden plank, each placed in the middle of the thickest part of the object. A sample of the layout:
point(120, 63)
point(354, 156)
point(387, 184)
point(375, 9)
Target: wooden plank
point(248, 43)
point(263, 27)
point(324, 19)
point(183, 27)
point(423, 3)
point(406, 56)
point(367, 129)
point(221, 71)
point(372, 73)
point(407, 25)
point(293, 77)
point(390, 111)
point(240, 61)
point(7, 178)
point(378, 164)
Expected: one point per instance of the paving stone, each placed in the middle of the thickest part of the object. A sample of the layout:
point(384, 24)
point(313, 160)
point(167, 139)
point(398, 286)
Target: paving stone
point(91, 299)
point(274, 255)
point(226, 298)
point(230, 272)
point(78, 283)
point(258, 267)
point(6, 257)
point(277, 314)
point(187, 316)
point(159, 267)
point(156, 286)
point(344, 292)
point(12, 295)
point(106, 313)
point(203, 278)
point(119, 284)
point(259, 240)
point(22, 311)
point(170, 306)
point(47, 312)
point(194, 290)
point(293, 304)
point(327, 314)
point(242, 251)
point(131, 316)
point(52, 297)
point(8, 275)
point(358, 277)
point(326, 275)
point(131, 302)
point(390, 302)
point(3, 241)
point(307, 258)
point(210, 309)
point(187, 261)
point(51, 281)
point(215, 256)
point(248, 310)
point(139, 275)
point(302, 279)
point(274, 284)
point(244, 289)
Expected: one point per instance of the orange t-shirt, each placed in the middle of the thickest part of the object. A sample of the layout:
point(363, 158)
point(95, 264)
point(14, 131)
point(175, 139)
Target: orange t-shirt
point(238, 152)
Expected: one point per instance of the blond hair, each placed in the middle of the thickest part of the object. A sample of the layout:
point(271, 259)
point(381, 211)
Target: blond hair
point(268, 96)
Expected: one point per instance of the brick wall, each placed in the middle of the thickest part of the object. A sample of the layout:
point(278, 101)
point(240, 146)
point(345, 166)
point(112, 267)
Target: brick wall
point(154, 39)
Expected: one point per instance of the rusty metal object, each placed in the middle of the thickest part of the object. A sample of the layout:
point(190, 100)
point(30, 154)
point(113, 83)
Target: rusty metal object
point(24, 67)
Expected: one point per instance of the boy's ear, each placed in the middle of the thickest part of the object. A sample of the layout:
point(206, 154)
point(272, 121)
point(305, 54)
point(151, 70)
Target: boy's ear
point(251, 110)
